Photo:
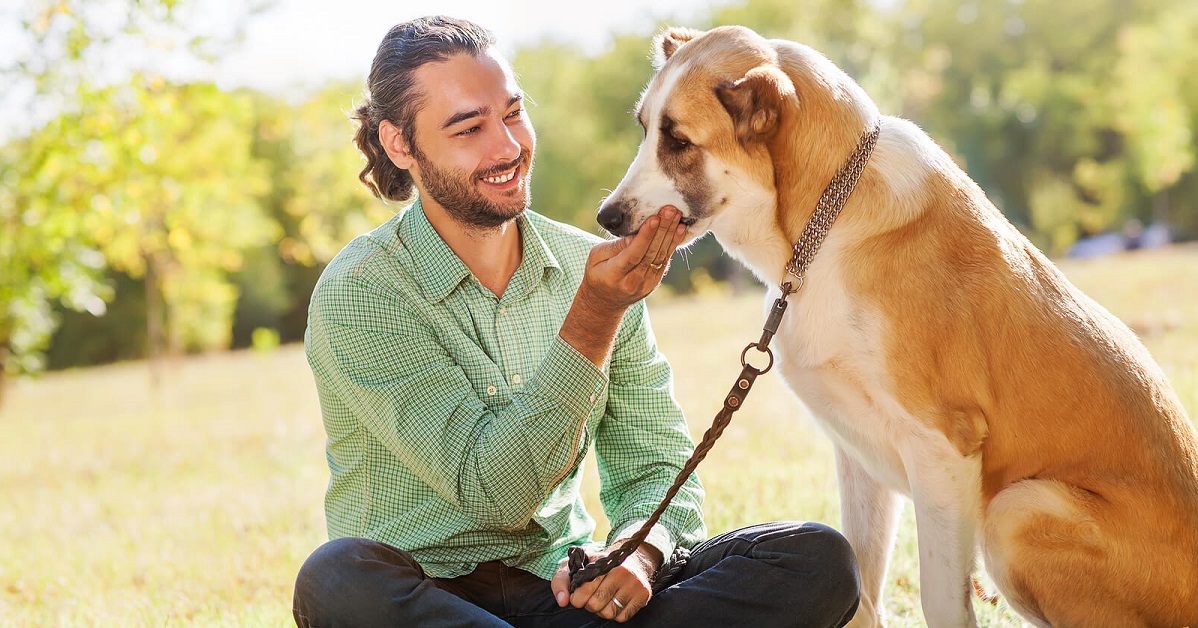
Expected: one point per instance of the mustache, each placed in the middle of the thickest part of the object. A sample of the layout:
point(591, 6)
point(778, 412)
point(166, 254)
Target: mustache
point(498, 168)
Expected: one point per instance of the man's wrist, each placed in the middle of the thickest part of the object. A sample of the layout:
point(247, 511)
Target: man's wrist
point(650, 557)
point(590, 325)
point(595, 305)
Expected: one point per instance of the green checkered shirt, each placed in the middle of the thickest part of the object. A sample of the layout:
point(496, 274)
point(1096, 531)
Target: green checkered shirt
point(457, 421)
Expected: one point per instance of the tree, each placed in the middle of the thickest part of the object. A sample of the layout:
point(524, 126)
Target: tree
point(179, 207)
point(581, 108)
point(66, 51)
point(45, 254)
point(316, 199)
point(1071, 114)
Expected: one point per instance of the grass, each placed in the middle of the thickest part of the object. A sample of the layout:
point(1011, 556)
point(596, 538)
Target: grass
point(197, 504)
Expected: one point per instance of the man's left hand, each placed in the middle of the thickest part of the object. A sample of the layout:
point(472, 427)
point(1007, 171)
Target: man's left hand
point(617, 595)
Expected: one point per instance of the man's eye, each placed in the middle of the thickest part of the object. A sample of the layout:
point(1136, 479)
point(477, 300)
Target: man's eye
point(469, 131)
point(516, 114)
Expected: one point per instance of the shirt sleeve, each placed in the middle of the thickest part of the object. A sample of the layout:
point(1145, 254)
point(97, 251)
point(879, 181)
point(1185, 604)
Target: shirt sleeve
point(643, 443)
point(381, 357)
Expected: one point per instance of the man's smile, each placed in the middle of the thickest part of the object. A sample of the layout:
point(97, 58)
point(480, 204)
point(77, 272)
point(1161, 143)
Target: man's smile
point(502, 178)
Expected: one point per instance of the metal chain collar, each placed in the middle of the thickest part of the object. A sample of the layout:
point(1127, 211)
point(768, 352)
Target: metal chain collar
point(829, 206)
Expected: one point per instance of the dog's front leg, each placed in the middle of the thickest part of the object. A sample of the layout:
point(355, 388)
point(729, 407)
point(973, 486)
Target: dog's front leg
point(945, 491)
point(869, 515)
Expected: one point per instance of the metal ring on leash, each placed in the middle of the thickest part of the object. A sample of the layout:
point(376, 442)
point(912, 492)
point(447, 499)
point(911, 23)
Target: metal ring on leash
point(763, 349)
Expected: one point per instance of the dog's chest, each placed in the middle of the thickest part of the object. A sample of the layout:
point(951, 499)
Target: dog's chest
point(830, 352)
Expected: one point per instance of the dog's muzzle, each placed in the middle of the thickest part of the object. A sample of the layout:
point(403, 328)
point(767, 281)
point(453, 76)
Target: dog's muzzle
point(612, 216)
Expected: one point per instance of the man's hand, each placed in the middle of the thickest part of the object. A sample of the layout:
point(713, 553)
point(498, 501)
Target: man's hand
point(620, 593)
point(619, 273)
point(623, 271)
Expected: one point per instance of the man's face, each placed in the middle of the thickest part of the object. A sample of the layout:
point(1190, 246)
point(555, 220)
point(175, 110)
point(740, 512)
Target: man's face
point(473, 142)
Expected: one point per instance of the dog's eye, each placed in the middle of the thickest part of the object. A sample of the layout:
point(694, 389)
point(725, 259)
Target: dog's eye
point(675, 143)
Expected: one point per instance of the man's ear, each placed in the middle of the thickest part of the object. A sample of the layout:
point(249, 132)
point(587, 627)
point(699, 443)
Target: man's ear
point(395, 145)
point(755, 102)
point(666, 43)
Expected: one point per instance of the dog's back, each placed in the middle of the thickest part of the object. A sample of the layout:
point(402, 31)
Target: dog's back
point(1089, 462)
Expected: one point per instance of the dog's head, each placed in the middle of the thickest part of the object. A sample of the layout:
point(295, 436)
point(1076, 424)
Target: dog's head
point(713, 114)
point(714, 101)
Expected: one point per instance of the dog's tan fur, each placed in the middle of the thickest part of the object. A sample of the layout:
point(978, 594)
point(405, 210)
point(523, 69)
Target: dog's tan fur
point(946, 357)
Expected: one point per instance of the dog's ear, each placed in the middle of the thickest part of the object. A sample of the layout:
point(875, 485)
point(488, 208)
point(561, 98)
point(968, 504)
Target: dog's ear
point(666, 43)
point(755, 102)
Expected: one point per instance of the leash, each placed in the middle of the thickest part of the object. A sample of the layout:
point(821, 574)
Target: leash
point(582, 569)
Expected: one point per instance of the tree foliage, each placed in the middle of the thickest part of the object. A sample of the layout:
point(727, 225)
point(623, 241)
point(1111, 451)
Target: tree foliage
point(214, 211)
point(179, 206)
point(64, 174)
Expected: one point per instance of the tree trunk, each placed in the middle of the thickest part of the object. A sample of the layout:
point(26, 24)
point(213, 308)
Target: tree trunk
point(155, 340)
point(4, 355)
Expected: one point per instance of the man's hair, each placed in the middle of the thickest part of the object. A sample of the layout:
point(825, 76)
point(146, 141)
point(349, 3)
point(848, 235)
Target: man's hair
point(391, 93)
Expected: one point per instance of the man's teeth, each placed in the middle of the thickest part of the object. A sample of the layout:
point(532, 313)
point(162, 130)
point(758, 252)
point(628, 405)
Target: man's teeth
point(501, 178)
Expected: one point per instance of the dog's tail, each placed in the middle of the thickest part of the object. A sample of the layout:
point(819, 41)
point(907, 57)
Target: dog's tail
point(990, 597)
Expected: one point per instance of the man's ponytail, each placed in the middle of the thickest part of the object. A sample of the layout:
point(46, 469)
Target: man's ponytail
point(385, 180)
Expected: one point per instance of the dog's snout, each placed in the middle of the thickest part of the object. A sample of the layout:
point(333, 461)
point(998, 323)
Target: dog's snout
point(611, 217)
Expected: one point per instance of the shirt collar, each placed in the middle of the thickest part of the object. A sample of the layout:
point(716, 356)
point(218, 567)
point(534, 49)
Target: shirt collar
point(439, 270)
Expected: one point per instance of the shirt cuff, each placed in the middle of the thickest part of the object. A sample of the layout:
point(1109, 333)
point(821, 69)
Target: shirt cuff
point(659, 537)
point(571, 378)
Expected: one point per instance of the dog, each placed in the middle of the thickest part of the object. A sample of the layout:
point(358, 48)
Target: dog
point(947, 358)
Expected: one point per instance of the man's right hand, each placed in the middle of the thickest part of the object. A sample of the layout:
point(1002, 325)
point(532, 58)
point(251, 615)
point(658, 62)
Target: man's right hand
point(619, 273)
point(617, 595)
point(622, 271)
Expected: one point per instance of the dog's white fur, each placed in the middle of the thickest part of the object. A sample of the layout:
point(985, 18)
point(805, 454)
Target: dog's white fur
point(947, 359)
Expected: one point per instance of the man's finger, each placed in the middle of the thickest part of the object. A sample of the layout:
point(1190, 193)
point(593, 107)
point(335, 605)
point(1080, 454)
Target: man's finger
point(643, 251)
point(581, 596)
point(560, 585)
point(632, 607)
point(637, 244)
point(663, 263)
point(662, 237)
point(604, 594)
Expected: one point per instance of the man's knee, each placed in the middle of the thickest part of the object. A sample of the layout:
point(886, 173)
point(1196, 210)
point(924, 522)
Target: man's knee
point(814, 548)
point(331, 566)
point(829, 546)
point(336, 579)
point(833, 553)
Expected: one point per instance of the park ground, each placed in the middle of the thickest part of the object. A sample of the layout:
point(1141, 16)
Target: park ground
point(196, 503)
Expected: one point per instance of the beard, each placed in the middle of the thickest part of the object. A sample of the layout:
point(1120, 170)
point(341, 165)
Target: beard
point(457, 192)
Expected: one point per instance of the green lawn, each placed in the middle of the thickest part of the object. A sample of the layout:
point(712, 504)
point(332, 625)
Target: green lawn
point(196, 505)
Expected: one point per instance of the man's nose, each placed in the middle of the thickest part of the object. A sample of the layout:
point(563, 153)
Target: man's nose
point(504, 145)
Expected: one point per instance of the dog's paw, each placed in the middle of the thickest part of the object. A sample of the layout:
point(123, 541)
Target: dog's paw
point(866, 619)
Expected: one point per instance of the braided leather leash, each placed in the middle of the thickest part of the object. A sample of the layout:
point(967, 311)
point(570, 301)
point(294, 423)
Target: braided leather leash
point(582, 570)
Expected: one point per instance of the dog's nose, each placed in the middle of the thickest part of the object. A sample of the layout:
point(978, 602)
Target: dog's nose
point(611, 217)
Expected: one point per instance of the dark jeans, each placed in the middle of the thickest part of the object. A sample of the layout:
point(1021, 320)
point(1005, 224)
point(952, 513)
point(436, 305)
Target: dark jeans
point(764, 576)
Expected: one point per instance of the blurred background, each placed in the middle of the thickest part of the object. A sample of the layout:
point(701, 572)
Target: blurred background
point(174, 175)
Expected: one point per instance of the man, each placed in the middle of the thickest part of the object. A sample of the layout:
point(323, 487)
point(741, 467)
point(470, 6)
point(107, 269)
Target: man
point(467, 354)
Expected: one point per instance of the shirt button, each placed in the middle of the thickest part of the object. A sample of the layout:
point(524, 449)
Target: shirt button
point(516, 379)
point(594, 397)
point(491, 390)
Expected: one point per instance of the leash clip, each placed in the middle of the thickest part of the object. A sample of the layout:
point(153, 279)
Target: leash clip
point(788, 288)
